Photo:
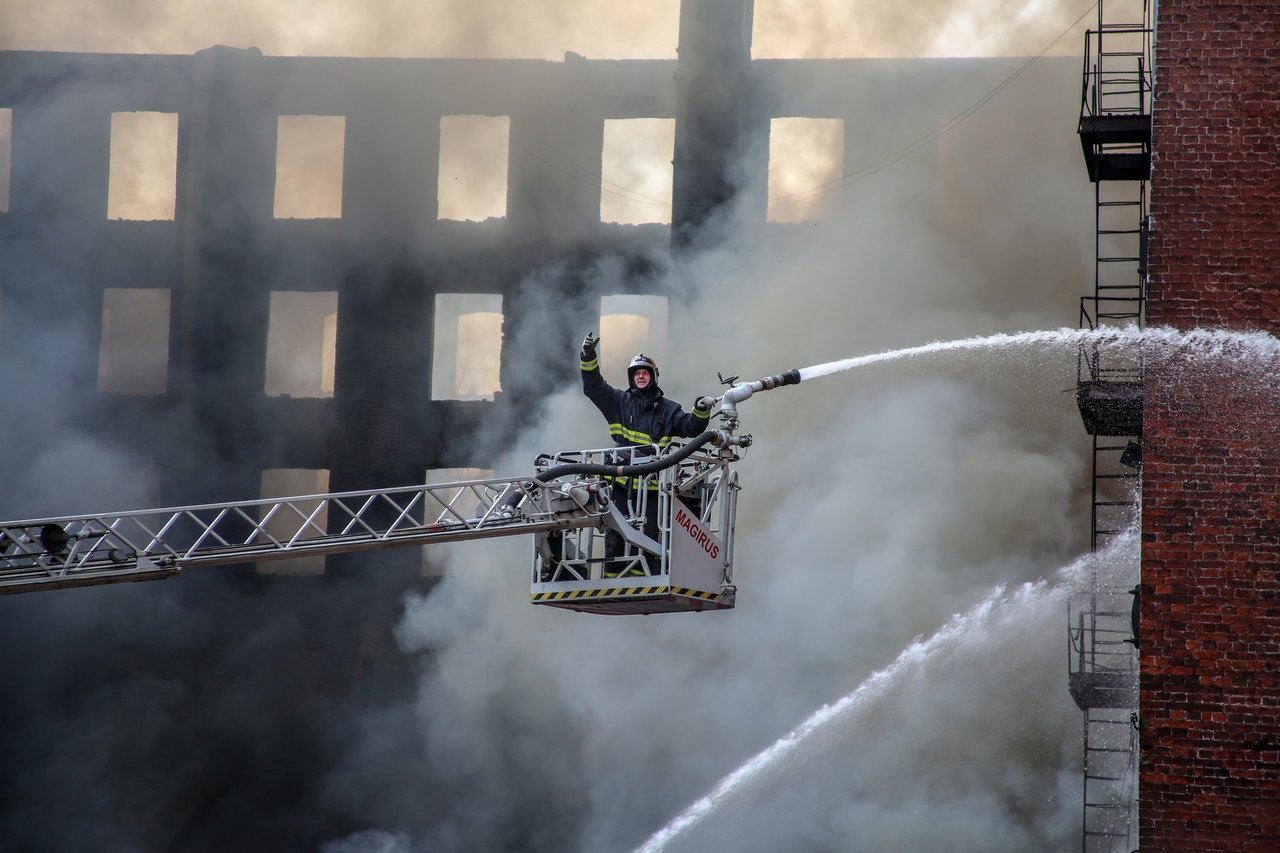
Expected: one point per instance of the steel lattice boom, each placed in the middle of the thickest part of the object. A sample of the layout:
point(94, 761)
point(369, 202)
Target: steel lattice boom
point(85, 550)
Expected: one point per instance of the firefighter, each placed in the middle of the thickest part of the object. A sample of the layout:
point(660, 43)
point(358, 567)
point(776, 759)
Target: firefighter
point(642, 418)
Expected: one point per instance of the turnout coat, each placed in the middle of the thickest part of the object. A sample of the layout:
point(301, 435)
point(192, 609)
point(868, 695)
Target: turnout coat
point(638, 417)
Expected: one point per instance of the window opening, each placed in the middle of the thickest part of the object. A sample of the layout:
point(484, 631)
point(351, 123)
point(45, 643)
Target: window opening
point(6, 156)
point(636, 170)
point(472, 183)
point(467, 346)
point(434, 505)
point(290, 482)
point(806, 165)
point(309, 159)
point(133, 352)
point(143, 179)
point(630, 324)
point(301, 344)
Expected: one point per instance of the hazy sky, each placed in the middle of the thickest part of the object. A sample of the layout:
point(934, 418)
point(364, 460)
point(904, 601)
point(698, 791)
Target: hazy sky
point(615, 29)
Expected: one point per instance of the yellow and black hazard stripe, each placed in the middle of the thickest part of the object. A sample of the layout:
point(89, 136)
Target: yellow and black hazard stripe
point(611, 592)
point(695, 593)
point(623, 592)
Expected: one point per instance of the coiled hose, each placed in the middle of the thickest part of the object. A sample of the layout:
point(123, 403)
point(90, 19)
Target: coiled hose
point(575, 468)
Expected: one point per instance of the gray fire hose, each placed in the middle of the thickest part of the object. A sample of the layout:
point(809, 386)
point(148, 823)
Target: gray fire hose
point(576, 468)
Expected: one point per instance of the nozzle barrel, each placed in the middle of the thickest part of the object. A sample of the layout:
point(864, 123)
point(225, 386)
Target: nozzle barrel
point(744, 390)
point(790, 377)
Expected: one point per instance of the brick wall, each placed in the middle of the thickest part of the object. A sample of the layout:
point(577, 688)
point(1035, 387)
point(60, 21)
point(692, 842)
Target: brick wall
point(1210, 606)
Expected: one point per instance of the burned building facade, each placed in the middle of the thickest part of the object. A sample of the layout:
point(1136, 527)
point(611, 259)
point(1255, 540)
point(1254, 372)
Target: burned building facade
point(146, 327)
point(384, 276)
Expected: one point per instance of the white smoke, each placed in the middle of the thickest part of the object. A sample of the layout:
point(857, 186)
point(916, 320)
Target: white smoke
point(890, 722)
point(851, 541)
point(877, 504)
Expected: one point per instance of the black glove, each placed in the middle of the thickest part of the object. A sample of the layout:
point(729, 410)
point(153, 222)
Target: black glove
point(589, 344)
point(704, 404)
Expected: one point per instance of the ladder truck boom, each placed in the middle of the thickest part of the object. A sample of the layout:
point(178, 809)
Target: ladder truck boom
point(85, 550)
point(616, 531)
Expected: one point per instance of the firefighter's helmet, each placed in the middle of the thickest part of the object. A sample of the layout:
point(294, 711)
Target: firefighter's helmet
point(641, 360)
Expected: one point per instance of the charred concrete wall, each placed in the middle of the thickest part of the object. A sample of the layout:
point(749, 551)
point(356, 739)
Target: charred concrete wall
point(1210, 605)
point(386, 255)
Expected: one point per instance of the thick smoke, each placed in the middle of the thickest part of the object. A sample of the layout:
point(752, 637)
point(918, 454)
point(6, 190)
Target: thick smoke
point(839, 775)
point(878, 504)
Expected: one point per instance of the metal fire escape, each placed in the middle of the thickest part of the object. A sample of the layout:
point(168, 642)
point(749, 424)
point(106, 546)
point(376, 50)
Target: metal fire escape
point(1115, 134)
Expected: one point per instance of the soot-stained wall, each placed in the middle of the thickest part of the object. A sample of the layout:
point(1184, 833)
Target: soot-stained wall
point(215, 429)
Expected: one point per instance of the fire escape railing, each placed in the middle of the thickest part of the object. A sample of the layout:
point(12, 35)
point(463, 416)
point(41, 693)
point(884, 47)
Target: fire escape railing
point(1115, 135)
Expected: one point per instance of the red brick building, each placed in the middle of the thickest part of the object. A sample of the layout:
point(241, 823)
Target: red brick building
point(1210, 594)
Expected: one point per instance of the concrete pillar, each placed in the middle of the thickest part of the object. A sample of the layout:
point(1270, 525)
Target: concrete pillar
point(711, 107)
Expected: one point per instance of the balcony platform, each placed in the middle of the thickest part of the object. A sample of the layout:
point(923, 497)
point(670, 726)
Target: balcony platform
point(1110, 408)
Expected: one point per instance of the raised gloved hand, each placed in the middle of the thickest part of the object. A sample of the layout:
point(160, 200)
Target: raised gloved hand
point(589, 344)
point(704, 404)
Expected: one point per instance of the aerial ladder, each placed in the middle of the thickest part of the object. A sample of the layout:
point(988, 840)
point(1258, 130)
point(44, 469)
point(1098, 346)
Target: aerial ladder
point(568, 504)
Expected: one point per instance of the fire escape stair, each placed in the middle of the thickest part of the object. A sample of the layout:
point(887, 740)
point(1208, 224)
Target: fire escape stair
point(1109, 772)
point(1115, 130)
point(1103, 681)
point(1115, 136)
